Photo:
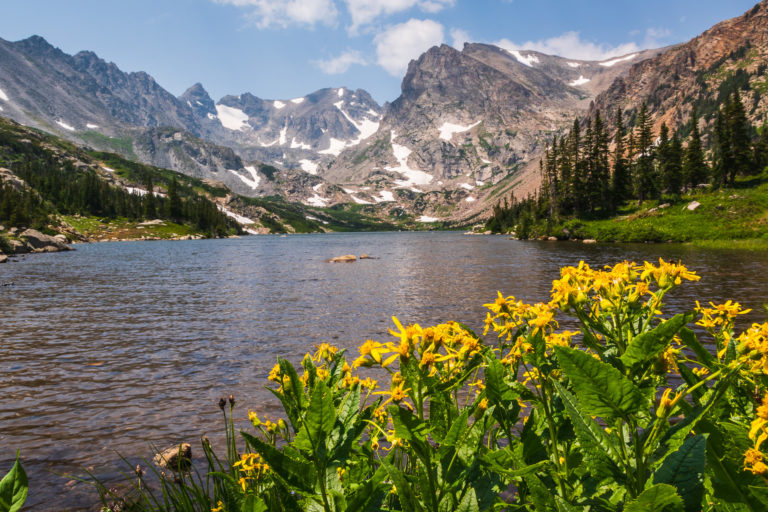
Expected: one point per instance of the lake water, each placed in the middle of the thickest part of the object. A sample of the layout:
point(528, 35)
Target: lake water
point(115, 347)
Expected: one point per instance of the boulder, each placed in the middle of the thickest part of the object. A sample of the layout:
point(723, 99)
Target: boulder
point(43, 243)
point(175, 458)
point(552, 238)
point(347, 258)
point(367, 257)
point(589, 241)
point(19, 247)
point(693, 205)
point(3, 258)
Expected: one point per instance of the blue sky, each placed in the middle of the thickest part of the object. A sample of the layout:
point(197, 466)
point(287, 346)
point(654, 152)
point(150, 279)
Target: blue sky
point(281, 49)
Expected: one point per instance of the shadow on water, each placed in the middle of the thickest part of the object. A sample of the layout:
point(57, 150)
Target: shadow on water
point(115, 347)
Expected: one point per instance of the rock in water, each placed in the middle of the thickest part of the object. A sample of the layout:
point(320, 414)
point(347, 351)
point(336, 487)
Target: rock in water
point(3, 258)
point(175, 458)
point(347, 258)
point(43, 243)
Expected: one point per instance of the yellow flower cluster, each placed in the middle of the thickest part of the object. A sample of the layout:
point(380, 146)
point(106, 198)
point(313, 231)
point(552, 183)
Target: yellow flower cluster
point(510, 314)
point(719, 316)
point(753, 348)
point(623, 283)
point(251, 469)
point(441, 348)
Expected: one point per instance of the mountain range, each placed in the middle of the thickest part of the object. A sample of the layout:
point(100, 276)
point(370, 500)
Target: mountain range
point(467, 129)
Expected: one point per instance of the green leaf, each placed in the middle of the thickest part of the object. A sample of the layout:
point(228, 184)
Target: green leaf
point(321, 415)
point(298, 475)
point(602, 390)
point(684, 470)
point(690, 341)
point(564, 506)
point(408, 500)
point(468, 502)
point(369, 496)
point(596, 446)
point(648, 345)
point(659, 497)
point(410, 428)
point(13, 488)
point(254, 504)
point(541, 496)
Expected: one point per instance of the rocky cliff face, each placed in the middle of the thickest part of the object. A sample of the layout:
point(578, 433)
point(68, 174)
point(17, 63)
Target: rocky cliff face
point(468, 120)
point(699, 75)
point(91, 101)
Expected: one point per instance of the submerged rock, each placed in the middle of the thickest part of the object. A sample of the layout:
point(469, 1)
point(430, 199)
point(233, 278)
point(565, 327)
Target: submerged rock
point(175, 458)
point(347, 258)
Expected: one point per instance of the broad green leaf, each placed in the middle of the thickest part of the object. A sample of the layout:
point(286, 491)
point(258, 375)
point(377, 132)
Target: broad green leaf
point(596, 446)
point(321, 415)
point(690, 341)
point(369, 496)
point(564, 506)
point(408, 500)
point(541, 496)
point(13, 488)
point(468, 502)
point(297, 474)
point(648, 345)
point(657, 498)
point(684, 470)
point(602, 390)
point(252, 503)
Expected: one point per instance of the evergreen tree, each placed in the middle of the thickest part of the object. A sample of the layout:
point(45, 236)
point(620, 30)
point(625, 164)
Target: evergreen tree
point(621, 182)
point(723, 150)
point(644, 176)
point(174, 201)
point(674, 169)
point(739, 136)
point(150, 212)
point(760, 150)
point(662, 157)
point(695, 170)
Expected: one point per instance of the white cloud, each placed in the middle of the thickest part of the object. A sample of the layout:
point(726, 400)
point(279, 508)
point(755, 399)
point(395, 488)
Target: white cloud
point(363, 12)
point(266, 13)
point(397, 45)
point(459, 37)
point(340, 64)
point(570, 45)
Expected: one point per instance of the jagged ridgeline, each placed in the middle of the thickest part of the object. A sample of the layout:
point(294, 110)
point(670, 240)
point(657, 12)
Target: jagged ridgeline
point(46, 176)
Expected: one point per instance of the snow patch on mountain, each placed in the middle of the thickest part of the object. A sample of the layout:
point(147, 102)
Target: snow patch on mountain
point(65, 125)
point(467, 186)
point(335, 148)
point(579, 81)
point(426, 218)
point(317, 200)
point(297, 101)
point(340, 92)
point(447, 130)
point(299, 145)
point(414, 176)
point(231, 117)
point(283, 136)
point(613, 62)
point(278, 104)
point(359, 201)
point(254, 182)
point(528, 60)
point(233, 215)
point(308, 166)
point(3, 96)
point(384, 197)
point(470, 199)
point(91, 126)
point(574, 64)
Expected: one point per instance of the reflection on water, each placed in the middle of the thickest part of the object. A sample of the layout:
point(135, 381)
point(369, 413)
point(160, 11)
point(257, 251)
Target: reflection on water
point(115, 347)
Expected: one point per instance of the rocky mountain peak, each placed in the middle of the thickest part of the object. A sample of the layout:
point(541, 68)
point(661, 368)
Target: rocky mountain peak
point(198, 99)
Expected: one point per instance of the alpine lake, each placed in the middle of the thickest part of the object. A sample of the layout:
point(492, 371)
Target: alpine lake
point(115, 348)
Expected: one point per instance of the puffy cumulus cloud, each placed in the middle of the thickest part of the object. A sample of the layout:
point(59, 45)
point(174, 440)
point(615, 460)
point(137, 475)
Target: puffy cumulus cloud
point(363, 12)
point(341, 63)
point(281, 13)
point(570, 45)
point(397, 45)
point(459, 37)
